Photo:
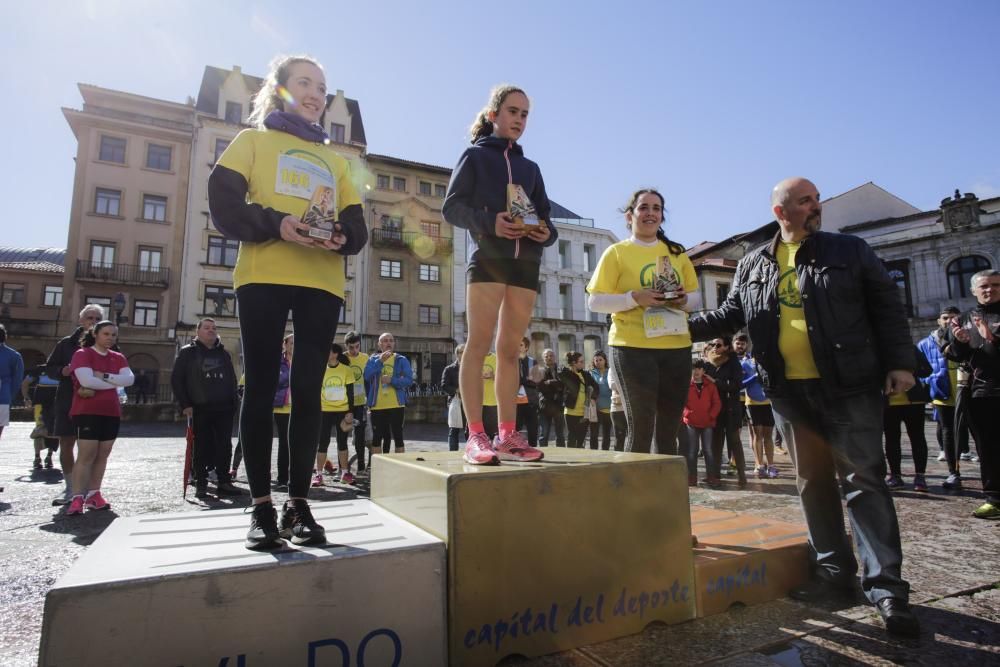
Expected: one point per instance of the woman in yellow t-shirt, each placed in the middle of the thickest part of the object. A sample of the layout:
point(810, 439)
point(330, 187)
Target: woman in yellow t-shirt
point(265, 179)
point(580, 388)
point(337, 400)
point(648, 284)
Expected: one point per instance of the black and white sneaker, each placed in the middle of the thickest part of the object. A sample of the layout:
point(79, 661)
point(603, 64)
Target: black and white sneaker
point(263, 534)
point(298, 524)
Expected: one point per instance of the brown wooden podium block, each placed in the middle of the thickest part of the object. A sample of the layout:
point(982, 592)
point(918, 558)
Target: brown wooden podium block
point(582, 547)
point(744, 559)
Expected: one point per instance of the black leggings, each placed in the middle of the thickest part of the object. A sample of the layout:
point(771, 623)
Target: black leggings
point(330, 424)
point(387, 425)
point(576, 431)
point(602, 425)
point(651, 377)
point(263, 313)
point(913, 416)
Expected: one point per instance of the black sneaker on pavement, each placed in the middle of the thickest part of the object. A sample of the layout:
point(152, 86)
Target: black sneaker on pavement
point(263, 534)
point(201, 490)
point(899, 618)
point(227, 489)
point(954, 481)
point(298, 524)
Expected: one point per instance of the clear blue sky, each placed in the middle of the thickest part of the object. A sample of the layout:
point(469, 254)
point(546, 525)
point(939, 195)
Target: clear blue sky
point(712, 102)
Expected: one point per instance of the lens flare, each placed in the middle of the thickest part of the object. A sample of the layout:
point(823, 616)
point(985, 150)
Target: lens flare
point(284, 94)
point(423, 246)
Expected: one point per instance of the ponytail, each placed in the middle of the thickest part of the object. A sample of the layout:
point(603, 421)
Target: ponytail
point(482, 127)
point(674, 248)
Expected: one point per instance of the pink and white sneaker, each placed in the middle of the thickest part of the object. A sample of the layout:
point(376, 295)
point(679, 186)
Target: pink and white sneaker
point(515, 447)
point(479, 451)
point(75, 506)
point(96, 502)
point(317, 479)
point(347, 477)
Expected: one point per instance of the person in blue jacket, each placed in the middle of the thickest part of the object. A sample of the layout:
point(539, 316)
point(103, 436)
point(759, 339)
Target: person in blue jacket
point(498, 195)
point(388, 375)
point(11, 375)
point(941, 382)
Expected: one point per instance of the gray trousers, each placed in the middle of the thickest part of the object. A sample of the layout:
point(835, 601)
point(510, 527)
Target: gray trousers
point(842, 438)
point(654, 388)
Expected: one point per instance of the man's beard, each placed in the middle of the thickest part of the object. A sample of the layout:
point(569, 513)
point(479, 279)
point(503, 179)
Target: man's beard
point(813, 224)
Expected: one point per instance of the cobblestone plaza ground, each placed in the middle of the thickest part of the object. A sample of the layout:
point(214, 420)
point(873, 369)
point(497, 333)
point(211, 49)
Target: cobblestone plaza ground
point(951, 560)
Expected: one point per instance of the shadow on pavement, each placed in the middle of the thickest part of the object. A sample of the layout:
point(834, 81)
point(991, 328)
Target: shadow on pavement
point(85, 528)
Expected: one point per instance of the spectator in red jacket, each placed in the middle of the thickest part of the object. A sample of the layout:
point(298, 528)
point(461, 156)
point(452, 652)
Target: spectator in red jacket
point(700, 412)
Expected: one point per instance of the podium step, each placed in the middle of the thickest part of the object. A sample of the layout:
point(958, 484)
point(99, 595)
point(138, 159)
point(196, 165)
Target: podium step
point(579, 548)
point(180, 589)
point(745, 559)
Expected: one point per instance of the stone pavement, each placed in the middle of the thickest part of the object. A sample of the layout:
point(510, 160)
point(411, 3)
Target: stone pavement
point(951, 559)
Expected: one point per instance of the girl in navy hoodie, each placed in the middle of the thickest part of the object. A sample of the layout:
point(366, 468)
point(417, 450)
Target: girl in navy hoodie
point(503, 268)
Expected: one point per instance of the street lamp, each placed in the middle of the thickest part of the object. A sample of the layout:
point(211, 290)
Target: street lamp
point(118, 305)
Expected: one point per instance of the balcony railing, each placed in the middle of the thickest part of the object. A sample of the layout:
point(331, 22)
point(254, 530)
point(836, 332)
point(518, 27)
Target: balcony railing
point(33, 328)
point(122, 274)
point(396, 238)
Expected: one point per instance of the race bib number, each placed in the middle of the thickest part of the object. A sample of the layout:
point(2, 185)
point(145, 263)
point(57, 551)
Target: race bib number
point(298, 178)
point(334, 394)
point(664, 322)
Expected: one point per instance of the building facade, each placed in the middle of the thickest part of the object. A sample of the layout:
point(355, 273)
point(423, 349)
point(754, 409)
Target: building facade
point(404, 280)
point(31, 289)
point(127, 220)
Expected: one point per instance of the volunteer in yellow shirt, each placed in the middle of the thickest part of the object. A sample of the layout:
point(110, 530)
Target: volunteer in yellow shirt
point(267, 177)
point(648, 284)
point(357, 360)
point(336, 400)
point(580, 389)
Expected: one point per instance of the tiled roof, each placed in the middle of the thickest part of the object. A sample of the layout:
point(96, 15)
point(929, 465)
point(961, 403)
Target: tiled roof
point(9, 255)
point(43, 267)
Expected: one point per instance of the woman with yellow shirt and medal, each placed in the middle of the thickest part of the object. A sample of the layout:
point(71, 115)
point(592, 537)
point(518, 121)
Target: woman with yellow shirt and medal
point(264, 180)
point(648, 284)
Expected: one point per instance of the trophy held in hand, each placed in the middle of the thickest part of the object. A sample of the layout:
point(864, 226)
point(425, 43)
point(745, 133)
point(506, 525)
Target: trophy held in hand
point(321, 214)
point(666, 281)
point(520, 208)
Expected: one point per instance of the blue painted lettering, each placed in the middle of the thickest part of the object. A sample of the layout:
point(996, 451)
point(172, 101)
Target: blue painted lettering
point(744, 577)
point(397, 646)
point(345, 653)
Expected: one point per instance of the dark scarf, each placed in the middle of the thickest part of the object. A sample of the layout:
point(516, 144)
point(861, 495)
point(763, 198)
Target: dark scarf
point(296, 125)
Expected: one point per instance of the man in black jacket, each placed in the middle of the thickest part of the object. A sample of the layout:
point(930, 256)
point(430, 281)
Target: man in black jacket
point(975, 339)
point(204, 384)
point(830, 335)
point(551, 402)
point(57, 366)
point(449, 384)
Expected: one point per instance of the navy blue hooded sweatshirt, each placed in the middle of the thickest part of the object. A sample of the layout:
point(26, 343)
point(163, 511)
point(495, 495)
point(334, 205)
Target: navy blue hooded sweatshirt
point(478, 191)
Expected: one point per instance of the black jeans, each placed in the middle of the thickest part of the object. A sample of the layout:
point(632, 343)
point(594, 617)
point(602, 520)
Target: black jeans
point(263, 313)
point(946, 435)
point(387, 425)
point(601, 427)
point(842, 438)
point(360, 413)
point(962, 431)
point(527, 418)
point(213, 443)
point(621, 430)
point(913, 416)
point(984, 420)
point(576, 430)
point(652, 378)
point(727, 428)
point(552, 422)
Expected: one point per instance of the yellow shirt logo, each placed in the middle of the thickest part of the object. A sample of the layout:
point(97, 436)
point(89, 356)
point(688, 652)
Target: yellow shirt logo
point(788, 289)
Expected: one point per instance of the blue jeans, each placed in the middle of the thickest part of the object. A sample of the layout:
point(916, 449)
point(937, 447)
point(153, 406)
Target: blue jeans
point(693, 437)
point(843, 437)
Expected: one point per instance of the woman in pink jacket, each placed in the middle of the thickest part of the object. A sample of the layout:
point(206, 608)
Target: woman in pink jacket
point(700, 411)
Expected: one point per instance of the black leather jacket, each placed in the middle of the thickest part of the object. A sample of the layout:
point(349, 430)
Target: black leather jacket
point(856, 322)
point(982, 356)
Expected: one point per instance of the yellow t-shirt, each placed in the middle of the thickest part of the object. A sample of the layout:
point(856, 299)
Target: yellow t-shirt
point(900, 398)
point(489, 386)
point(282, 171)
point(333, 397)
point(357, 365)
point(386, 397)
point(627, 266)
point(581, 399)
point(750, 401)
point(953, 382)
point(793, 338)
